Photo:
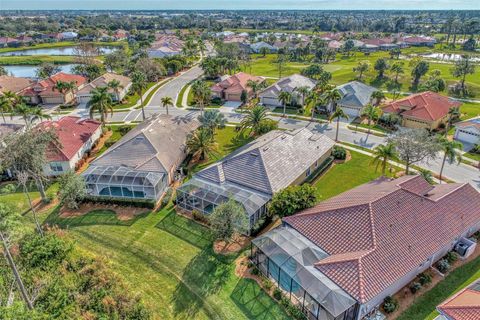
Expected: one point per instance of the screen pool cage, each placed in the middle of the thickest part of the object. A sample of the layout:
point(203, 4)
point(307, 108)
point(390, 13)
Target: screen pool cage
point(203, 197)
point(288, 258)
point(123, 182)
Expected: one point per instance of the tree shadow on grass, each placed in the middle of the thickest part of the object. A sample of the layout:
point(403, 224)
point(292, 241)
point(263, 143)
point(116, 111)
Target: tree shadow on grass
point(243, 137)
point(255, 303)
point(94, 217)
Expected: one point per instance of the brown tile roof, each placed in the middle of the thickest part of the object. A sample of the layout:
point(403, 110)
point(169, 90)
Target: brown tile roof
point(236, 83)
point(379, 232)
point(103, 81)
point(465, 305)
point(47, 86)
point(428, 106)
point(14, 84)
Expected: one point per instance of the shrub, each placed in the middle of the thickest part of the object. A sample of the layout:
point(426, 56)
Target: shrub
point(255, 271)
point(277, 294)
point(292, 199)
point(166, 198)
point(415, 287)
point(339, 153)
point(216, 101)
point(451, 257)
point(123, 130)
point(8, 188)
point(141, 203)
point(424, 278)
point(267, 284)
point(443, 266)
point(267, 125)
point(390, 304)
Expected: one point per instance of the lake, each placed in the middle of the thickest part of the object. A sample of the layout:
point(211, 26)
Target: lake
point(29, 71)
point(62, 51)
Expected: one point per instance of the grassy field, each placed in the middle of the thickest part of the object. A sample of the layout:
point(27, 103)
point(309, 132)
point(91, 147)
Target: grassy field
point(469, 110)
point(19, 200)
point(35, 60)
point(61, 44)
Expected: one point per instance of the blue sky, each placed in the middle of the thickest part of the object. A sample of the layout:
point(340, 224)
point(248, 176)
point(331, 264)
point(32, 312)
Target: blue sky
point(240, 4)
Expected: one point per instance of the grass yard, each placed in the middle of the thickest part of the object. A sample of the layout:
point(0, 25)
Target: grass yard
point(132, 99)
point(469, 110)
point(266, 66)
point(345, 176)
point(18, 199)
point(94, 217)
point(424, 306)
point(170, 261)
point(35, 60)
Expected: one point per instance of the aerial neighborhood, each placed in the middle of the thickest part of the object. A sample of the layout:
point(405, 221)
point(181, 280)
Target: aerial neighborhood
point(240, 165)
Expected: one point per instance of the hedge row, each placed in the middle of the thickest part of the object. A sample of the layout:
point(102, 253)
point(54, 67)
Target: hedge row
point(141, 203)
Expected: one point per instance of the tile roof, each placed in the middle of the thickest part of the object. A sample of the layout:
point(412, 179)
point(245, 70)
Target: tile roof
point(154, 145)
point(379, 232)
point(47, 86)
point(355, 94)
point(288, 84)
point(103, 81)
point(428, 106)
point(236, 83)
point(14, 84)
point(465, 305)
point(470, 123)
point(73, 133)
point(271, 162)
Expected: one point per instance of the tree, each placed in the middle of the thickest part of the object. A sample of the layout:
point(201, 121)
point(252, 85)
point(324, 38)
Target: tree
point(254, 118)
point(338, 114)
point(91, 71)
point(371, 113)
point(244, 96)
point(397, 69)
point(377, 97)
point(419, 70)
point(292, 199)
point(361, 68)
point(201, 144)
point(434, 82)
point(116, 86)
point(348, 46)
point(263, 51)
point(71, 190)
point(167, 101)
point(285, 98)
point(9, 224)
point(315, 71)
point(450, 153)
point(117, 60)
point(201, 93)
point(100, 102)
point(46, 70)
point(426, 174)
point(3, 71)
point(280, 62)
point(414, 145)
point(331, 97)
point(30, 114)
point(395, 53)
point(381, 65)
point(212, 120)
point(470, 44)
point(462, 68)
point(382, 155)
point(313, 99)
point(303, 92)
point(227, 219)
point(139, 84)
point(453, 113)
point(5, 106)
point(255, 86)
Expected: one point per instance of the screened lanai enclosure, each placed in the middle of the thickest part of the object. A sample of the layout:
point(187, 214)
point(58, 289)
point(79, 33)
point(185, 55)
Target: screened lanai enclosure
point(288, 258)
point(203, 197)
point(122, 182)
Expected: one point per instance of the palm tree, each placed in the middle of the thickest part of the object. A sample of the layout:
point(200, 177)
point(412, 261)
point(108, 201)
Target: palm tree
point(450, 154)
point(332, 97)
point(38, 114)
point(337, 115)
point(212, 119)
point(100, 102)
point(285, 98)
point(383, 154)
point(116, 86)
point(453, 113)
point(255, 86)
point(64, 87)
point(5, 106)
point(397, 69)
point(139, 83)
point(30, 114)
point(377, 97)
point(312, 100)
point(201, 93)
point(167, 101)
point(303, 91)
point(372, 113)
point(426, 174)
point(254, 118)
point(201, 144)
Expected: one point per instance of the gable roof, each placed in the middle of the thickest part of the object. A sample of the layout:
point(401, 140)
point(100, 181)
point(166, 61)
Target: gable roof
point(73, 133)
point(465, 305)
point(271, 162)
point(14, 84)
point(236, 83)
point(355, 94)
point(428, 106)
point(379, 232)
point(47, 86)
point(154, 145)
point(103, 81)
point(288, 84)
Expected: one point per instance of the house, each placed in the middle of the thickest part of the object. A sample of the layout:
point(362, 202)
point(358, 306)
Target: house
point(419, 41)
point(68, 35)
point(144, 162)
point(13, 84)
point(76, 137)
point(252, 174)
point(84, 95)
point(269, 96)
point(8, 42)
point(343, 257)
point(468, 131)
point(426, 110)
point(335, 45)
point(257, 47)
point(464, 305)
point(45, 91)
point(231, 88)
point(120, 35)
point(355, 96)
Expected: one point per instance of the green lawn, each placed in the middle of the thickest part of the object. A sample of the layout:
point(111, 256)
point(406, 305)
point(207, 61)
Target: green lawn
point(94, 217)
point(19, 200)
point(35, 60)
point(470, 110)
point(132, 99)
point(471, 155)
point(424, 307)
point(266, 66)
point(345, 176)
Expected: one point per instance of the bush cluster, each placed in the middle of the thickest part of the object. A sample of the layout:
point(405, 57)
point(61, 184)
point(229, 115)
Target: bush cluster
point(415, 287)
point(141, 203)
point(424, 279)
point(390, 304)
point(339, 153)
point(443, 266)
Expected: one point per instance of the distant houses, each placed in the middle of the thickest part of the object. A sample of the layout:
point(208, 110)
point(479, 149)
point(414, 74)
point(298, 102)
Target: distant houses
point(165, 46)
point(259, 46)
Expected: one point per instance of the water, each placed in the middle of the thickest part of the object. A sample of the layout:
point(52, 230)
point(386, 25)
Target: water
point(447, 57)
point(30, 71)
point(63, 51)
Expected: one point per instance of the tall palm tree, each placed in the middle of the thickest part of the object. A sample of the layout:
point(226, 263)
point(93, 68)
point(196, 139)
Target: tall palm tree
point(338, 114)
point(377, 97)
point(5, 106)
point(255, 86)
point(139, 83)
point(397, 69)
point(167, 101)
point(100, 102)
point(116, 86)
point(201, 93)
point(312, 100)
point(201, 144)
point(254, 118)
point(332, 96)
point(212, 119)
point(383, 154)
point(30, 114)
point(303, 92)
point(450, 152)
point(371, 113)
point(38, 114)
point(453, 113)
point(285, 98)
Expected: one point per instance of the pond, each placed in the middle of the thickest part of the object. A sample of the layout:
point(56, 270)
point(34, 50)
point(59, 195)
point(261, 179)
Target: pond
point(61, 51)
point(30, 71)
point(450, 57)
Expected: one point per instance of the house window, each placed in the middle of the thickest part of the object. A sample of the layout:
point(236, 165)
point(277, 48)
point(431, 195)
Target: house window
point(56, 167)
point(308, 172)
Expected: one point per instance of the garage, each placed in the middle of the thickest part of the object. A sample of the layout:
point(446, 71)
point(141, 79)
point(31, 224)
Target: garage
point(351, 111)
point(471, 135)
point(52, 100)
point(270, 101)
point(84, 99)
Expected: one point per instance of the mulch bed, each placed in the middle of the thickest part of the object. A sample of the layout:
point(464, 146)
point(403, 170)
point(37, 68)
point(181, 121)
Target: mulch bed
point(124, 213)
point(238, 243)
